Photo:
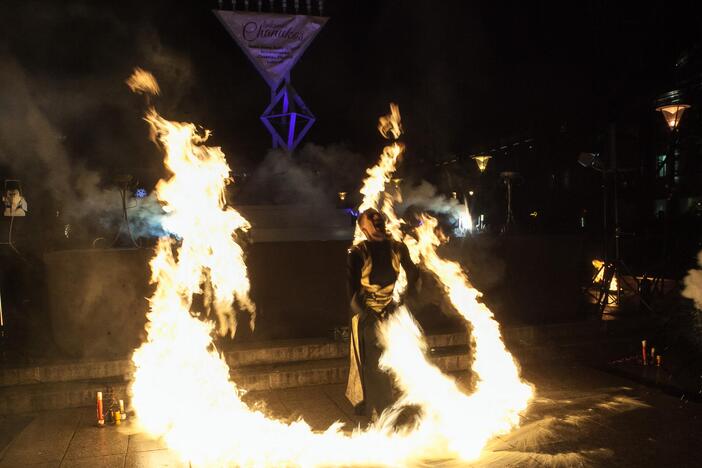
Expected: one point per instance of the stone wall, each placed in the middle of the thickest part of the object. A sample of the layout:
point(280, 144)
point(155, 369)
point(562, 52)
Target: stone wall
point(97, 297)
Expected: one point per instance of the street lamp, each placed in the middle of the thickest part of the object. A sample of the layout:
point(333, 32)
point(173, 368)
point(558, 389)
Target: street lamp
point(672, 113)
point(482, 161)
point(672, 107)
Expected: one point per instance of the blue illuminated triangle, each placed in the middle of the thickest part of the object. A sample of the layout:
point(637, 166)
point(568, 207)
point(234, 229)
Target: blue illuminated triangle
point(287, 118)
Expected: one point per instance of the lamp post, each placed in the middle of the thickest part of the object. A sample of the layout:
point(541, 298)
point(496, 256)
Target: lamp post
point(481, 160)
point(672, 108)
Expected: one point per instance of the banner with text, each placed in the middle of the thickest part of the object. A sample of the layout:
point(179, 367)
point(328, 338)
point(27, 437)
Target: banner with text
point(273, 42)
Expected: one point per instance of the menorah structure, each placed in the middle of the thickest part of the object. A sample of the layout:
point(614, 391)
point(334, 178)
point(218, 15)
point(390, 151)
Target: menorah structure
point(274, 42)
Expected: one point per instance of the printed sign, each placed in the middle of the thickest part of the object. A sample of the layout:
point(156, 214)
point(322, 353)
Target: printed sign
point(273, 42)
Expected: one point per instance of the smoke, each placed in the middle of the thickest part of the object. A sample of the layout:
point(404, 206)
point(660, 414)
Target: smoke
point(314, 176)
point(693, 284)
point(68, 127)
point(425, 197)
point(32, 147)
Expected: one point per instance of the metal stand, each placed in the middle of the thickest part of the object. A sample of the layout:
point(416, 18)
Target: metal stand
point(613, 269)
point(3, 334)
point(509, 178)
point(124, 182)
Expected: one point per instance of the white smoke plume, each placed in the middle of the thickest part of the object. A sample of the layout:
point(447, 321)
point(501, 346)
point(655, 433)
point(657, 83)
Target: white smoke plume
point(693, 284)
point(427, 196)
point(78, 187)
point(312, 176)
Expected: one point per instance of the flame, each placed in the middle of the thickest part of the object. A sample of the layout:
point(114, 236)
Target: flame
point(599, 277)
point(612, 298)
point(143, 82)
point(373, 189)
point(598, 264)
point(182, 390)
point(500, 395)
point(391, 124)
point(466, 423)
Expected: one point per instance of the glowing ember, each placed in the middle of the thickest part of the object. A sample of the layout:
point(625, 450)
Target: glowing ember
point(182, 389)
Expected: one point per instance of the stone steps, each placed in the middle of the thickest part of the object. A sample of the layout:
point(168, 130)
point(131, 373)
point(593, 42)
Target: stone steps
point(64, 372)
point(248, 354)
point(272, 352)
point(327, 371)
point(56, 395)
point(258, 353)
point(267, 366)
point(254, 366)
point(81, 392)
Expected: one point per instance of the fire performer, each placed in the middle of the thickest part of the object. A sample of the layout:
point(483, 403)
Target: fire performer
point(373, 270)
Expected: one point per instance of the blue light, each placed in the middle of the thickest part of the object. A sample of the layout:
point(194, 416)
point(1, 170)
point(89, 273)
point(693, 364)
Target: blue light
point(352, 212)
point(140, 193)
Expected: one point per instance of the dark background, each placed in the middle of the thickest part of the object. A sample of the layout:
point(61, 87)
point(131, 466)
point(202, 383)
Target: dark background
point(466, 74)
point(534, 84)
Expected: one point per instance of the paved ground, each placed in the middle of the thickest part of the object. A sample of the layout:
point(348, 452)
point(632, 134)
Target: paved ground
point(581, 417)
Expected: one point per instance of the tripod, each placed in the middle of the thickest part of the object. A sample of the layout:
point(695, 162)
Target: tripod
point(608, 283)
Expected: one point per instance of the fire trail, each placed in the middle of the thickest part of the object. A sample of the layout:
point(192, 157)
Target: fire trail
point(182, 390)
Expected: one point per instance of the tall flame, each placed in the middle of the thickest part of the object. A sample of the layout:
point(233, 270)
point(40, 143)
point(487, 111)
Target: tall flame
point(500, 396)
point(182, 390)
point(373, 189)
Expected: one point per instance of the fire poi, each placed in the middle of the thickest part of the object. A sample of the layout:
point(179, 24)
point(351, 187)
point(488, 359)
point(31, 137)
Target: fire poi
point(182, 390)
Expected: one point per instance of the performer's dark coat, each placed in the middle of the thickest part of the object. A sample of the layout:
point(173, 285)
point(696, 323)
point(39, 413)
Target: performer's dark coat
point(373, 270)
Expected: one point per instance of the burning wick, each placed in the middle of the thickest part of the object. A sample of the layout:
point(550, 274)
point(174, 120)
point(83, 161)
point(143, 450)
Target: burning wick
point(100, 417)
point(658, 361)
point(653, 354)
point(643, 352)
point(342, 196)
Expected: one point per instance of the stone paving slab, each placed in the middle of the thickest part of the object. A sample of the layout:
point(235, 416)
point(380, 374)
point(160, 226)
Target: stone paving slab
point(581, 417)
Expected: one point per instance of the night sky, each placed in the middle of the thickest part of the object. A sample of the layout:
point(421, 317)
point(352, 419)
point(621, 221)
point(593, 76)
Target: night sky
point(465, 74)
